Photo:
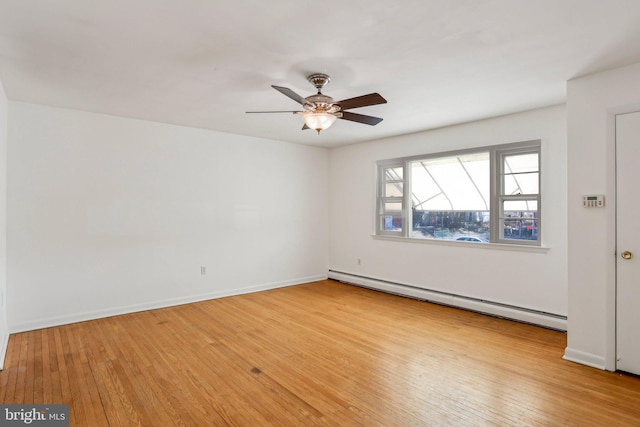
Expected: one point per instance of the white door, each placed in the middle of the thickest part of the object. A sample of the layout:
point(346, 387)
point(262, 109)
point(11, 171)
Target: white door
point(628, 242)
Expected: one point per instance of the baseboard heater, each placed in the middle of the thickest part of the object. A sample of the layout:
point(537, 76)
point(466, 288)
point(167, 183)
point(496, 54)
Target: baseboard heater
point(539, 318)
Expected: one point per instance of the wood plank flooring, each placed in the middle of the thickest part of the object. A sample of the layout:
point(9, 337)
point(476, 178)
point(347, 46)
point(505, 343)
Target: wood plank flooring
point(322, 353)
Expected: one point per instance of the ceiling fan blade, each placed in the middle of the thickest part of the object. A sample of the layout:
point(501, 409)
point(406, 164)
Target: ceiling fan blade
point(360, 118)
point(291, 94)
point(361, 101)
point(257, 112)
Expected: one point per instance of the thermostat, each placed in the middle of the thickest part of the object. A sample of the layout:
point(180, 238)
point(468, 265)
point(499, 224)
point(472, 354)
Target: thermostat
point(593, 201)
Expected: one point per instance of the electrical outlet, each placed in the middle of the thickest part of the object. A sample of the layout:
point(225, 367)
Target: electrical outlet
point(203, 270)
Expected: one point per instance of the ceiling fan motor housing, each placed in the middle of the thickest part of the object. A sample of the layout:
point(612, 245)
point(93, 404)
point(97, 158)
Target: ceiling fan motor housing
point(320, 102)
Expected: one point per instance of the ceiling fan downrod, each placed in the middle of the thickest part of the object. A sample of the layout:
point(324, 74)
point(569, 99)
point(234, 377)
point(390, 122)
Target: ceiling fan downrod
point(319, 80)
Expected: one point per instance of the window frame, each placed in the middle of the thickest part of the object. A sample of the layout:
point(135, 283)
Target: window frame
point(500, 197)
point(497, 153)
point(382, 198)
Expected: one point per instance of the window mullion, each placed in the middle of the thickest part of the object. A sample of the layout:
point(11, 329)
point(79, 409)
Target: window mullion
point(495, 184)
point(407, 220)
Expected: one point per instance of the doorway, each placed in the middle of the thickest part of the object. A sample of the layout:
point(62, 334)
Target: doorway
point(628, 242)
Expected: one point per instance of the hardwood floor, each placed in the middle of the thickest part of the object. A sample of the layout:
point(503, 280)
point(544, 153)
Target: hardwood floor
point(321, 353)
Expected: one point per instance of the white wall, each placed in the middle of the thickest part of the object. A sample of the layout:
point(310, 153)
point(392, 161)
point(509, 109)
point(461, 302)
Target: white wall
point(531, 279)
point(108, 215)
point(4, 329)
point(592, 103)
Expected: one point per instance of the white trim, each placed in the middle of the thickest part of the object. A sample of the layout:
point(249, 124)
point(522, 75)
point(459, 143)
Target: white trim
point(584, 358)
point(547, 320)
point(92, 315)
point(4, 344)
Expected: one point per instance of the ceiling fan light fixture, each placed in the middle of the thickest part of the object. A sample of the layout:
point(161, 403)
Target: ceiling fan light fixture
point(318, 120)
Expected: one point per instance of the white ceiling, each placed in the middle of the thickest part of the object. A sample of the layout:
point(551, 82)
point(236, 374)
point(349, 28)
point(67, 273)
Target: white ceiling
point(203, 63)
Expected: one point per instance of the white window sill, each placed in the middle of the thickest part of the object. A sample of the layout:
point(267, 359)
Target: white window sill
point(477, 245)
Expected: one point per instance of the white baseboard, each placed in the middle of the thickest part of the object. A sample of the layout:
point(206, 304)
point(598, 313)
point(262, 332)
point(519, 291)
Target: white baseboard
point(4, 343)
point(584, 358)
point(539, 318)
point(115, 311)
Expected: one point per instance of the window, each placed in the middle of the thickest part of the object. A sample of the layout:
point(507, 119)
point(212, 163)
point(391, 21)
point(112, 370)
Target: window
point(490, 194)
point(391, 199)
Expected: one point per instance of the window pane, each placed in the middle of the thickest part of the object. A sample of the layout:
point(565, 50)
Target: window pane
point(392, 206)
point(519, 205)
point(520, 163)
point(519, 220)
point(456, 183)
point(520, 174)
point(393, 189)
point(393, 174)
point(391, 223)
point(525, 183)
point(448, 225)
point(520, 229)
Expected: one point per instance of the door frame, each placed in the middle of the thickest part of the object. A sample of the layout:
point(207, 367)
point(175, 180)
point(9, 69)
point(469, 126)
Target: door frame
point(611, 218)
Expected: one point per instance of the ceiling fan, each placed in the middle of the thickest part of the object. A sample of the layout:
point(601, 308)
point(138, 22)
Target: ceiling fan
point(321, 111)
